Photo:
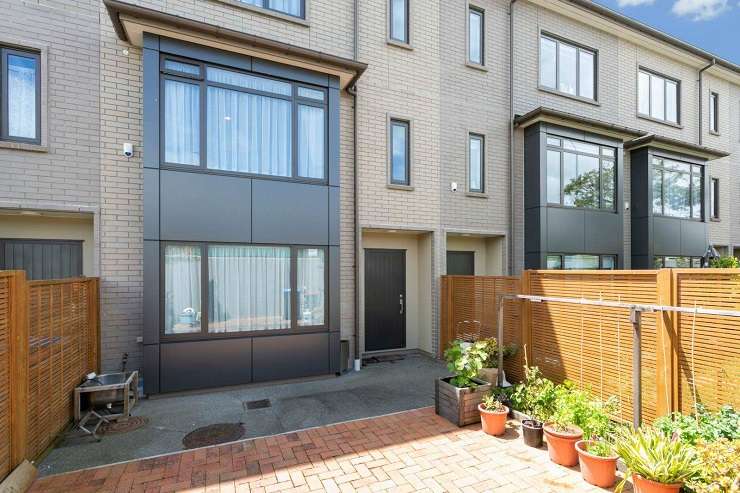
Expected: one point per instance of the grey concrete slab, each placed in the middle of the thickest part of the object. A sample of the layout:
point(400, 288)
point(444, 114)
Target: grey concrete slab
point(378, 389)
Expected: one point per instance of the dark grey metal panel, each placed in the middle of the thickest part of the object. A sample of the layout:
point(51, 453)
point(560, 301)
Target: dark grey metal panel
point(42, 259)
point(533, 260)
point(151, 369)
point(534, 167)
point(151, 291)
point(603, 232)
point(151, 204)
point(565, 230)
point(334, 289)
point(640, 183)
point(334, 213)
point(334, 137)
point(290, 213)
point(200, 364)
point(534, 231)
point(287, 72)
point(694, 239)
point(335, 365)
point(640, 235)
point(290, 356)
point(204, 207)
point(150, 61)
point(204, 53)
point(666, 236)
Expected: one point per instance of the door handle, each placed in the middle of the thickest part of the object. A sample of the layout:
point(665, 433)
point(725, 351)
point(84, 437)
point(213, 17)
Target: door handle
point(400, 301)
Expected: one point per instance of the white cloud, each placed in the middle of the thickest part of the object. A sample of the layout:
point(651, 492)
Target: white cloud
point(700, 10)
point(634, 3)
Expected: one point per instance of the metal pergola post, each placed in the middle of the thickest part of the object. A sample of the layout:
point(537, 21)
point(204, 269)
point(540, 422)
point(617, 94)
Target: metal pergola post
point(500, 341)
point(636, 319)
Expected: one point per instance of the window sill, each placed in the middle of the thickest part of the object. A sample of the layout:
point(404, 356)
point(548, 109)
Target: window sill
point(399, 44)
point(587, 209)
point(267, 12)
point(712, 132)
point(715, 219)
point(476, 66)
point(662, 122)
point(555, 92)
point(23, 146)
point(477, 195)
point(394, 186)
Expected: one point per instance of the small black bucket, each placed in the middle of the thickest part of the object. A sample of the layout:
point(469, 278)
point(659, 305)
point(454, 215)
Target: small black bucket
point(532, 433)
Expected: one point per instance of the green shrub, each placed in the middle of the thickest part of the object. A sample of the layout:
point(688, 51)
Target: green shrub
point(492, 348)
point(465, 360)
point(600, 448)
point(535, 396)
point(720, 467)
point(703, 426)
point(575, 407)
point(724, 263)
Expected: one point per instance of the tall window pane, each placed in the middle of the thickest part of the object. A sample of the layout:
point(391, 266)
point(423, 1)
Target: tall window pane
point(671, 101)
point(548, 63)
point(311, 286)
point(292, 7)
point(553, 177)
point(586, 74)
point(570, 176)
point(607, 184)
point(249, 288)
point(399, 21)
point(713, 121)
point(567, 72)
point(182, 270)
point(399, 152)
point(657, 191)
point(181, 122)
point(475, 155)
point(643, 93)
point(554, 262)
point(475, 41)
point(22, 96)
point(657, 97)
point(676, 194)
point(696, 182)
point(248, 133)
point(311, 141)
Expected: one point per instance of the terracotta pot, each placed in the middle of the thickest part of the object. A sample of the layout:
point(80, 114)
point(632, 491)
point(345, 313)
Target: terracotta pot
point(561, 445)
point(493, 422)
point(599, 471)
point(643, 485)
point(532, 433)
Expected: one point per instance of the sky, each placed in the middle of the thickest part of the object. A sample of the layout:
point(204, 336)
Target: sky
point(712, 25)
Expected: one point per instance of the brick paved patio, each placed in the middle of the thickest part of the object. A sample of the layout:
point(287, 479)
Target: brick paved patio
point(409, 451)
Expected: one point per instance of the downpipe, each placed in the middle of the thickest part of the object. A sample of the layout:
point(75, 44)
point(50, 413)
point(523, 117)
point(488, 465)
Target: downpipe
point(701, 98)
point(355, 202)
point(512, 199)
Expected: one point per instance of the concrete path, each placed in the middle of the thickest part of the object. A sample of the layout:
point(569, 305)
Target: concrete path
point(378, 389)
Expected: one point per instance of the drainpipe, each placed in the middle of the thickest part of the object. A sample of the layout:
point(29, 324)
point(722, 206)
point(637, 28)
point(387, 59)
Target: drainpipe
point(701, 97)
point(353, 91)
point(512, 200)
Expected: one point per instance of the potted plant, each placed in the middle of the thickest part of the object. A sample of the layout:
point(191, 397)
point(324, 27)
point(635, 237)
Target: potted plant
point(457, 397)
point(493, 415)
point(656, 462)
point(598, 462)
point(490, 369)
point(535, 397)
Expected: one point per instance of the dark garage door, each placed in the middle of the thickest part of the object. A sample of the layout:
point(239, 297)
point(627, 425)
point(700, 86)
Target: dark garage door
point(42, 259)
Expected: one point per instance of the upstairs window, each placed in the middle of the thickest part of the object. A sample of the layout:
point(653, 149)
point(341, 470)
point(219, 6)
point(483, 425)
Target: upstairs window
point(658, 97)
point(20, 96)
point(296, 8)
point(677, 189)
point(476, 163)
point(476, 36)
point(567, 68)
point(399, 20)
point(399, 152)
point(714, 112)
point(580, 174)
point(714, 198)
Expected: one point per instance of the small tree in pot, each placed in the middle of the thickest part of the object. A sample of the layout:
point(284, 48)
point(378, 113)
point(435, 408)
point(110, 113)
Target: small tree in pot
point(535, 397)
point(457, 397)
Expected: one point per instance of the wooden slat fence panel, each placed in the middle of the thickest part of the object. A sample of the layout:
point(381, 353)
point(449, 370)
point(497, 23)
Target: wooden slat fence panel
point(5, 433)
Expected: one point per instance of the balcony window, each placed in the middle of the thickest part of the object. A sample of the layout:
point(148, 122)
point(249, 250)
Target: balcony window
point(658, 97)
point(20, 97)
point(677, 189)
point(676, 262)
point(581, 262)
point(567, 68)
point(295, 8)
point(311, 286)
point(182, 290)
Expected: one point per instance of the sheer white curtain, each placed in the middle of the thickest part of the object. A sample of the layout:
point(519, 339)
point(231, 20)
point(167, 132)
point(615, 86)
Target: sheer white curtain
point(248, 133)
point(311, 288)
point(182, 289)
point(181, 122)
point(249, 288)
point(22, 96)
point(311, 139)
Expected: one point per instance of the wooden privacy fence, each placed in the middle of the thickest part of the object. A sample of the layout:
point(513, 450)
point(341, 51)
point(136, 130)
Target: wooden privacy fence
point(49, 340)
point(593, 345)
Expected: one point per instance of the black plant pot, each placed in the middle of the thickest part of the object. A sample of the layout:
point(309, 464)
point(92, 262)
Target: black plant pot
point(532, 433)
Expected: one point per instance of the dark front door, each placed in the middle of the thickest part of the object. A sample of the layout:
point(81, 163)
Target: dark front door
point(42, 259)
point(385, 299)
point(460, 263)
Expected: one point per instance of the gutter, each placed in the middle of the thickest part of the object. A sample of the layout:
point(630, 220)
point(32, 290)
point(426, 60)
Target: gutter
point(512, 199)
point(701, 97)
point(352, 89)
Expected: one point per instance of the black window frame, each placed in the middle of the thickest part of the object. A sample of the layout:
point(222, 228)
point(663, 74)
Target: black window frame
point(205, 294)
point(406, 24)
point(601, 157)
point(203, 83)
point(482, 13)
point(659, 261)
point(713, 112)
point(648, 115)
point(714, 189)
point(407, 125)
point(267, 6)
point(690, 217)
point(5, 51)
point(558, 40)
point(601, 256)
point(482, 138)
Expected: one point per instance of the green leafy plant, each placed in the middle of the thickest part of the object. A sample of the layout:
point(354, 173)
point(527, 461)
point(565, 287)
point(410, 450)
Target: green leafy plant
point(491, 402)
point(465, 360)
point(600, 448)
point(535, 396)
point(720, 467)
point(492, 349)
point(702, 426)
point(577, 407)
point(725, 263)
point(655, 456)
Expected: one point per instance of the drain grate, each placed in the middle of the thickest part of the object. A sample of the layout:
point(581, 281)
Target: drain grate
point(123, 426)
point(213, 435)
point(260, 404)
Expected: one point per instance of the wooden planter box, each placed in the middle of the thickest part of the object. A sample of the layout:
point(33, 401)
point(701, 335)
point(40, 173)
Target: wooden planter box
point(460, 406)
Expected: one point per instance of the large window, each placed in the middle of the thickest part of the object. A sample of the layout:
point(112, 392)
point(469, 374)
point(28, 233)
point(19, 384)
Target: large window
point(399, 152)
point(677, 188)
point(398, 17)
point(476, 36)
point(580, 174)
point(567, 68)
point(20, 96)
point(582, 262)
point(714, 112)
point(296, 8)
point(246, 288)
point(476, 163)
point(658, 97)
point(668, 262)
point(235, 121)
